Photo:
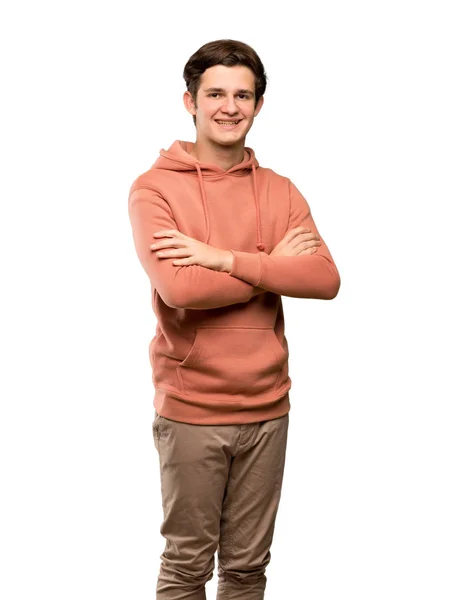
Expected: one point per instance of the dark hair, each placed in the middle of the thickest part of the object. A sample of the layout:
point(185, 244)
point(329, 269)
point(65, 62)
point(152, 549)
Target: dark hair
point(224, 52)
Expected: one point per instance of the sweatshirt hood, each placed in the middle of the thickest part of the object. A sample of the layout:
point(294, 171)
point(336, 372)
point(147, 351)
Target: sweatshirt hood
point(178, 158)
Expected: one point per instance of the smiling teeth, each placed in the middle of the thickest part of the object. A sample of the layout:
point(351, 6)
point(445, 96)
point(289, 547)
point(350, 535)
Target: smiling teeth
point(228, 122)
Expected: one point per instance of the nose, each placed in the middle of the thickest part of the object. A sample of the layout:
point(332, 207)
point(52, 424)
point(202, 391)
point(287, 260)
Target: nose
point(229, 106)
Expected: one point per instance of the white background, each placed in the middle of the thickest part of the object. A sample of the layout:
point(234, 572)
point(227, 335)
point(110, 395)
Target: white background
point(357, 115)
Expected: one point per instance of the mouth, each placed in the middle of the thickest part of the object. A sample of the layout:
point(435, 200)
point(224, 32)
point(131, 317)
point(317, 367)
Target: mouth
point(228, 123)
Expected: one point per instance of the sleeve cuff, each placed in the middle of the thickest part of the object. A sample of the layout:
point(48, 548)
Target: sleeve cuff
point(246, 266)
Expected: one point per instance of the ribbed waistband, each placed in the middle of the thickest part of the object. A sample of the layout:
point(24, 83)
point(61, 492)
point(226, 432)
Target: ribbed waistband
point(238, 412)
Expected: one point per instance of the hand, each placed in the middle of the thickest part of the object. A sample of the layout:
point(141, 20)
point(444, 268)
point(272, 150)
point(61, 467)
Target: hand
point(189, 251)
point(297, 241)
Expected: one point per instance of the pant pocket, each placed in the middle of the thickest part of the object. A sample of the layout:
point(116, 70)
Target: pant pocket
point(156, 424)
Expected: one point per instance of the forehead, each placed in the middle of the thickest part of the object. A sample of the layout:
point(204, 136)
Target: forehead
point(236, 77)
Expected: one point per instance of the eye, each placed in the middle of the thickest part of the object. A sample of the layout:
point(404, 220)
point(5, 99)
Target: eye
point(215, 94)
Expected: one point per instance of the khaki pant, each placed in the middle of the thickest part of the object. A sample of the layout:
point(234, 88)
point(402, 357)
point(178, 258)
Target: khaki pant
point(220, 487)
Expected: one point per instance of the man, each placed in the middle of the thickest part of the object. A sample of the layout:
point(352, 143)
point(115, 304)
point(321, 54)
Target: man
point(222, 239)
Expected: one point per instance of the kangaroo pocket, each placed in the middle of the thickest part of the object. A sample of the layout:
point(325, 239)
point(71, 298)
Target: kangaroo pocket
point(232, 361)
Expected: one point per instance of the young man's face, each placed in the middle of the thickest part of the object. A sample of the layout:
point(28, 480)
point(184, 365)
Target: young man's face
point(225, 94)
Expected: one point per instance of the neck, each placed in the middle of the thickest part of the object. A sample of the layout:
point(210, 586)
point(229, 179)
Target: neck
point(217, 154)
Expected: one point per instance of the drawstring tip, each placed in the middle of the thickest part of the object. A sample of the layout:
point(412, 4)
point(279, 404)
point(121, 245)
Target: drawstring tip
point(260, 246)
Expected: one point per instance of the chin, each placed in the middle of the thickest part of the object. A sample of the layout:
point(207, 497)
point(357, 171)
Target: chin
point(226, 140)
point(230, 142)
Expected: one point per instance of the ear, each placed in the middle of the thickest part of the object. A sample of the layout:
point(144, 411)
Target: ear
point(259, 105)
point(189, 103)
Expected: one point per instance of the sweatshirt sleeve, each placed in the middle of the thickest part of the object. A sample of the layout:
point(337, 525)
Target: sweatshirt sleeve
point(304, 276)
point(185, 286)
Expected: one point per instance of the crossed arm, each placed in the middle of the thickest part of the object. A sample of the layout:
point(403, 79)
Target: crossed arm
point(198, 287)
point(303, 276)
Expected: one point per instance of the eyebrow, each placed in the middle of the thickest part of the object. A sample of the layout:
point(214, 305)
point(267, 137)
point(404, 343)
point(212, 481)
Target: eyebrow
point(216, 89)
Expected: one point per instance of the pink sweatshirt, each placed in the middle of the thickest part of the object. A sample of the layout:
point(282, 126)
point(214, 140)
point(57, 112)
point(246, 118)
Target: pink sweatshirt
point(219, 354)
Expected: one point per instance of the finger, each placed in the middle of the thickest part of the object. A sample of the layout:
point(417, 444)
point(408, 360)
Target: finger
point(303, 239)
point(300, 229)
point(180, 253)
point(305, 243)
point(307, 246)
point(312, 244)
point(166, 233)
point(169, 243)
point(308, 236)
point(290, 235)
point(308, 251)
